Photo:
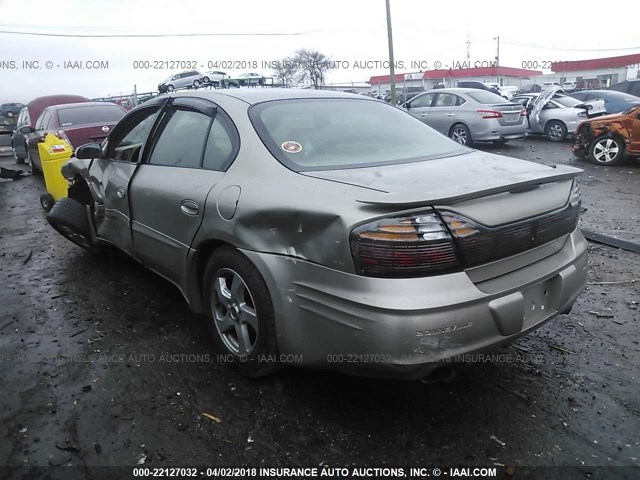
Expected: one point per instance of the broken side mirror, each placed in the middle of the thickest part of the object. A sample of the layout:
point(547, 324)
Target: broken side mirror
point(89, 151)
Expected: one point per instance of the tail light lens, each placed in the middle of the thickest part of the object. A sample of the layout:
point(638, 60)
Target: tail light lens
point(412, 246)
point(64, 137)
point(490, 114)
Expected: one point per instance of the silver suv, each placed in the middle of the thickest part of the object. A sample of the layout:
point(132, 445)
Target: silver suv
point(190, 78)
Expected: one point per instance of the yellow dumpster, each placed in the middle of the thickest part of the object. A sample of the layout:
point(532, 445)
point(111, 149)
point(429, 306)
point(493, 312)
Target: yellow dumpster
point(54, 152)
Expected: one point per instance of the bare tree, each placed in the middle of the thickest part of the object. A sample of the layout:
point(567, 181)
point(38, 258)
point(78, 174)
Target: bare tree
point(285, 70)
point(313, 66)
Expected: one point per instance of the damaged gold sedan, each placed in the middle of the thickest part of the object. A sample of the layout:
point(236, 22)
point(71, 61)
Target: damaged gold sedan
point(330, 230)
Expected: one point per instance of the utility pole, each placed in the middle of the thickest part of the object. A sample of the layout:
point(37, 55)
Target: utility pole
point(392, 70)
point(468, 48)
point(497, 59)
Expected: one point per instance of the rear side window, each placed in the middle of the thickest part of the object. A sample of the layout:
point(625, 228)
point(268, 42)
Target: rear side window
point(182, 141)
point(222, 144)
point(90, 114)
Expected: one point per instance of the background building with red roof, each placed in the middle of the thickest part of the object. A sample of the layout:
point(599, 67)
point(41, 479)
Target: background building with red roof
point(518, 77)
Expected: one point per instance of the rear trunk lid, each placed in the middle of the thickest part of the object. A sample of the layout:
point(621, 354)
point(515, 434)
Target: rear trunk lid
point(81, 134)
point(512, 113)
point(514, 205)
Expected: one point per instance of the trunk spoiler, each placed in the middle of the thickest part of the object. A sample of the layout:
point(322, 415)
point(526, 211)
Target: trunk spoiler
point(514, 183)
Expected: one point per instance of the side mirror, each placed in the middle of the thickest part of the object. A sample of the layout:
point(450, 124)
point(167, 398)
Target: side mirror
point(26, 129)
point(89, 151)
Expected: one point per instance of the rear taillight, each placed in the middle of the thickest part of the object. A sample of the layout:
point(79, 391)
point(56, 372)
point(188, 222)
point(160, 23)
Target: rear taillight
point(490, 114)
point(416, 245)
point(64, 137)
point(523, 112)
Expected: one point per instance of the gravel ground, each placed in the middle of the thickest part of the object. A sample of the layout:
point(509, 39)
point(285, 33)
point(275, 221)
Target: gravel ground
point(98, 367)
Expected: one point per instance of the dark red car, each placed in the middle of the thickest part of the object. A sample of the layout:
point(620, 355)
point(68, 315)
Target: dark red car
point(31, 113)
point(77, 123)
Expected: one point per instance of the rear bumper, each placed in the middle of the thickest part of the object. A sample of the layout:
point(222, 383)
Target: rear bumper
point(407, 327)
point(493, 131)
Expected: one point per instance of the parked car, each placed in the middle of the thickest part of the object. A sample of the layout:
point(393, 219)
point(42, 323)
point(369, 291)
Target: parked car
point(76, 123)
point(628, 86)
point(569, 86)
point(10, 109)
point(28, 116)
point(214, 77)
point(555, 114)
point(190, 78)
point(614, 102)
point(606, 140)
point(478, 86)
point(246, 80)
point(468, 115)
point(307, 225)
point(508, 91)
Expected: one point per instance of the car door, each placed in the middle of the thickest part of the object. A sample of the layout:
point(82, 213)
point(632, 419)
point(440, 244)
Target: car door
point(445, 111)
point(420, 106)
point(19, 140)
point(170, 188)
point(110, 175)
point(34, 138)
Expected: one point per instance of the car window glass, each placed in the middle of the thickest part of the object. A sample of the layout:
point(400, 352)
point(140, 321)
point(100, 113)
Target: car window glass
point(90, 113)
point(486, 98)
point(41, 120)
point(181, 143)
point(345, 133)
point(422, 101)
point(445, 100)
point(127, 143)
point(221, 145)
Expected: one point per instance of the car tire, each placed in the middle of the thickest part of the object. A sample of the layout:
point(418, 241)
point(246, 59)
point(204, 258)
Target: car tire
point(69, 218)
point(18, 159)
point(460, 133)
point(47, 201)
point(555, 131)
point(238, 306)
point(606, 150)
point(206, 80)
point(170, 88)
point(196, 83)
point(34, 170)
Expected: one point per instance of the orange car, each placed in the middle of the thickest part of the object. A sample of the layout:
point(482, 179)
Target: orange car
point(607, 139)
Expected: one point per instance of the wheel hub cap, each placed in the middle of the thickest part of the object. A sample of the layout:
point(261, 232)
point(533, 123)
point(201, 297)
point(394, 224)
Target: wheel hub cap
point(234, 312)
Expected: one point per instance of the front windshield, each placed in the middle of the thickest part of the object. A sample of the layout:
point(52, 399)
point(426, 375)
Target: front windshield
point(333, 133)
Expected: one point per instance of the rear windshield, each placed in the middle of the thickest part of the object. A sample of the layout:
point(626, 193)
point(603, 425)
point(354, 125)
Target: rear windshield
point(329, 133)
point(487, 98)
point(89, 114)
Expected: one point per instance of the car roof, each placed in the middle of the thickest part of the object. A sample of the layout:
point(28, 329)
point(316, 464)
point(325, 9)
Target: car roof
point(458, 90)
point(258, 95)
point(66, 106)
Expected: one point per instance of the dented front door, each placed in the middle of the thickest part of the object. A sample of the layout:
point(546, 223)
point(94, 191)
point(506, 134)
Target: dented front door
point(111, 175)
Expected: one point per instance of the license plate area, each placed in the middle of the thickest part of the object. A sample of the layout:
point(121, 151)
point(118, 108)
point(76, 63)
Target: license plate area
point(536, 302)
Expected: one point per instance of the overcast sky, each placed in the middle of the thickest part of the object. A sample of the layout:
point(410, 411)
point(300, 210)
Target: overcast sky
point(349, 31)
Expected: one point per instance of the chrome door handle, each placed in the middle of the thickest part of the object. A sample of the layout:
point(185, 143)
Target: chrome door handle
point(424, 114)
point(120, 192)
point(189, 207)
point(451, 114)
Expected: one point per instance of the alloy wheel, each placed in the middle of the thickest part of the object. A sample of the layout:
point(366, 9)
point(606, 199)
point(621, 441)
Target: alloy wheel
point(555, 131)
point(606, 150)
point(459, 135)
point(234, 312)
